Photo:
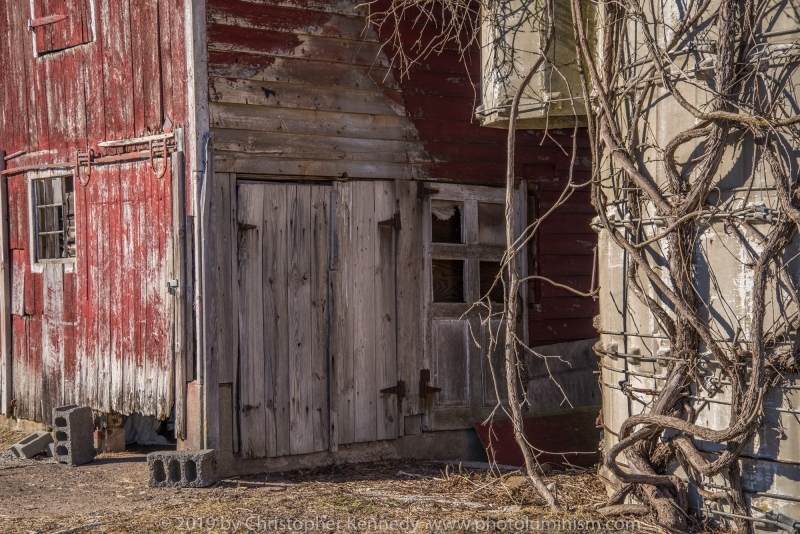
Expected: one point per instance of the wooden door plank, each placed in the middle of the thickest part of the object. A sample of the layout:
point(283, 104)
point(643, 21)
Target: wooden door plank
point(320, 319)
point(276, 320)
point(6, 349)
point(300, 315)
point(385, 314)
point(365, 233)
point(410, 277)
point(253, 401)
point(52, 337)
point(342, 312)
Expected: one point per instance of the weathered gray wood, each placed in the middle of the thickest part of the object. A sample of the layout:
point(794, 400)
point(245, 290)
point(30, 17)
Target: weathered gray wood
point(298, 146)
point(338, 25)
point(254, 404)
point(180, 293)
point(288, 95)
point(493, 362)
point(411, 303)
point(311, 122)
point(342, 312)
point(52, 336)
point(457, 341)
point(300, 334)
point(233, 224)
point(261, 164)
point(385, 313)
point(218, 313)
point(317, 48)
point(275, 282)
point(320, 315)
point(364, 230)
point(450, 340)
point(467, 192)
point(342, 7)
point(6, 380)
point(453, 251)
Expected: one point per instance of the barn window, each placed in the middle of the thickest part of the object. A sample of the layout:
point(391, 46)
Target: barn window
point(54, 218)
point(60, 24)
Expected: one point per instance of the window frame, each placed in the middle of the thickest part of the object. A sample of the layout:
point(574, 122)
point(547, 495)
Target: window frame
point(37, 263)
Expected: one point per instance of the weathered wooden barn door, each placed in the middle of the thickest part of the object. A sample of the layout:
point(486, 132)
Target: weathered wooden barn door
point(317, 339)
point(283, 247)
point(363, 312)
point(466, 238)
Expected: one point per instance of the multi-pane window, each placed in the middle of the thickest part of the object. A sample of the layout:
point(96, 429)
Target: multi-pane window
point(54, 218)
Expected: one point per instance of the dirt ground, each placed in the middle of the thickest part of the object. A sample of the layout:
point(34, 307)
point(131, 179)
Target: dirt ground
point(111, 495)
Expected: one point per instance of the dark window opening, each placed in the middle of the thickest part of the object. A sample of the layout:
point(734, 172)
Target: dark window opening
point(445, 221)
point(489, 275)
point(54, 216)
point(491, 223)
point(448, 280)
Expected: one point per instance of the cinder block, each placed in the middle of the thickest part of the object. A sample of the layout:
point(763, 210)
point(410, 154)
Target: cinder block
point(185, 469)
point(74, 432)
point(32, 445)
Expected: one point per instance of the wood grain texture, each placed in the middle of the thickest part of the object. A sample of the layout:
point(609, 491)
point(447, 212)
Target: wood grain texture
point(364, 228)
point(301, 431)
point(320, 316)
point(88, 348)
point(283, 277)
point(275, 280)
point(342, 317)
point(256, 434)
point(6, 347)
point(385, 312)
point(411, 274)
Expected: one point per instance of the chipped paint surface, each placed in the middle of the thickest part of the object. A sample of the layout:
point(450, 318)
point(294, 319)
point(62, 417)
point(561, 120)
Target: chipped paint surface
point(96, 331)
point(303, 88)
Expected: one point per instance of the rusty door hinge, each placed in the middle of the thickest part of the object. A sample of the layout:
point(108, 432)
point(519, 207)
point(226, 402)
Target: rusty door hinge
point(424, 388)
point(394, 222)
point(45, 21)
point(399, 389)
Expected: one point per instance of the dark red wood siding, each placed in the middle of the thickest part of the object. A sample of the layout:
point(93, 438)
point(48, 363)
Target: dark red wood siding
point(99, 335)
point(300, 88)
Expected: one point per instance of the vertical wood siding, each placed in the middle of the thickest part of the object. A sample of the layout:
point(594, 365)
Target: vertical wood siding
point(299, 88)
point(100, 335)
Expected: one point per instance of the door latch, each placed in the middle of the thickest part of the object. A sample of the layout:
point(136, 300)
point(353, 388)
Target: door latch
point(424, 388)
point(399, 389)
point(394, 222)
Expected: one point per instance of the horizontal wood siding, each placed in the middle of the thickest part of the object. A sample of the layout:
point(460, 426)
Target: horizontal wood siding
point(101, 335)
point(302, 88)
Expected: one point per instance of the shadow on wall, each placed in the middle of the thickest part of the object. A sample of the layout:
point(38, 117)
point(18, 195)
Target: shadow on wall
point(560, 376)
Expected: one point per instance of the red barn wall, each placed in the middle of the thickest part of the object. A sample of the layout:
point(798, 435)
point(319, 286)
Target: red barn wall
point(299, 88)
point(99, 335)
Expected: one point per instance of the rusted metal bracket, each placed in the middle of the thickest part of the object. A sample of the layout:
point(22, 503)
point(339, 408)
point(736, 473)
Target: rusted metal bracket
point(83, 158)
point(424, 388)
point(399, 389)
point(394, 222)
point(45, 21)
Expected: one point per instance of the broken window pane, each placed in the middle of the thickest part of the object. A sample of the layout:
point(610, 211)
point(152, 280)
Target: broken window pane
point(491, 223)
point(489, 272)
point(448, 280)
point(445, 221)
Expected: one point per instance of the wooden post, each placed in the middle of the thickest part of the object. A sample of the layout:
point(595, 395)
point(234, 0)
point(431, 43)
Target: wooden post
point(5, 295)
point(179, 272)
